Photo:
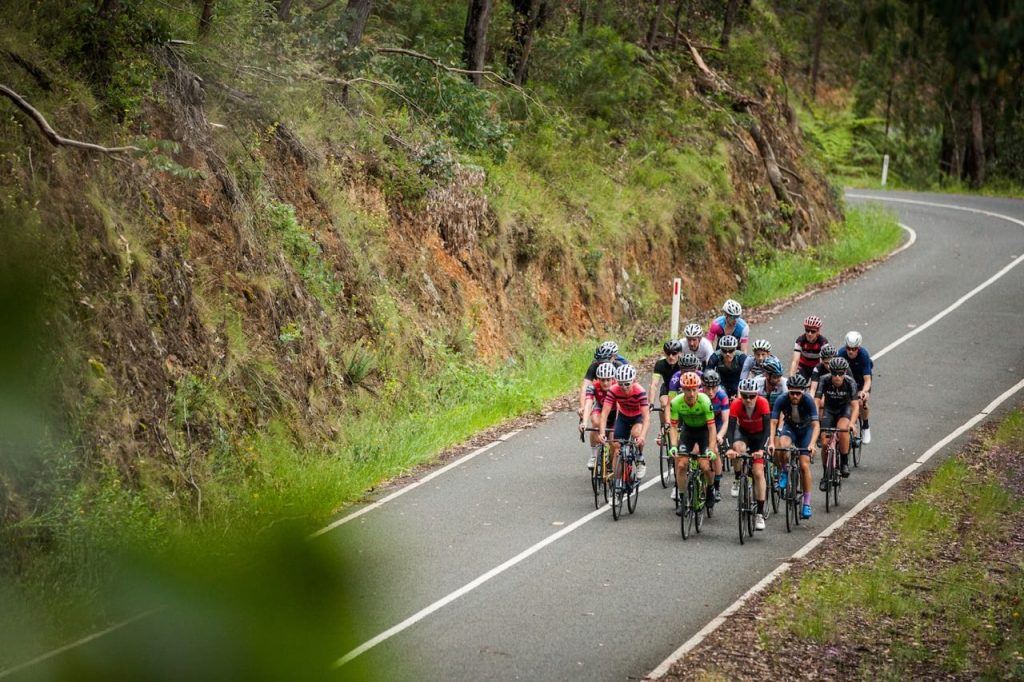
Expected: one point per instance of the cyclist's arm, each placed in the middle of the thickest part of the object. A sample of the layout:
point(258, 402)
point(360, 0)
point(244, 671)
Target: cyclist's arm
point(748, 362)
point(795, 362)
point(646, 412)
point(583, 394)
point(765, 419)
point(730, 430)
point(725, 420)
point(655, 382)
point(712, 434)
point(606, 409)
point(815, 429)
point(772, 426)
point(867, 383)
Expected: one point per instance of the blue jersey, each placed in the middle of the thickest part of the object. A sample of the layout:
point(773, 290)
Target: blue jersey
point(798, 416)
point(860, 366)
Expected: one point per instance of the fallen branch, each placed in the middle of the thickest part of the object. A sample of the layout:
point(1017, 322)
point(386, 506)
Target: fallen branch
point(451, 69)
point(51, 135)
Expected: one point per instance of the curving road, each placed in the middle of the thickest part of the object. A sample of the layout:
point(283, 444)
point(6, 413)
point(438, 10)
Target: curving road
point(496, 568)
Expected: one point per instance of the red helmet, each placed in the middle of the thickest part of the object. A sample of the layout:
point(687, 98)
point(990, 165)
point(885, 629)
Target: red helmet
point(812, 321)
point(690, 380)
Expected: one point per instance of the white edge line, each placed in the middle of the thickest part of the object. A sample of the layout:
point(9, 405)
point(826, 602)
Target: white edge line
point(906, 245)
point(412, 486)
point(84, 640)
point(477, 582)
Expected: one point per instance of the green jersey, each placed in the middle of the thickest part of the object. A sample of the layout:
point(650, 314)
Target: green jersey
point(695, 416)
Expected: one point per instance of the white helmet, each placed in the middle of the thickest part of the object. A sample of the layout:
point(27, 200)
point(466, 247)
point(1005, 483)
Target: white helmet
point(732, 307)
point(606, 370)
point(853, 339)
point(625, 375)
point(693, 330)
point(748, 386)
point(762, 344)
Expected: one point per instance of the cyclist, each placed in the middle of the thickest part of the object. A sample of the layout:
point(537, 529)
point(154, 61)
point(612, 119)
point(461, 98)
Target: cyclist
point(799, 416)
point(771, 384)
point(861, 367)
point(689, 362)
point(629, 399)
point(694, 410)
point(828, 351)
point(807, 348)
point(592, 407)
point(730, 324)
point(762, 350)
point(728, 363)
point(664, 369)
point(697, 344)
point(606, 352)
point(749, 417)
point(837, 405)
point(720, 404)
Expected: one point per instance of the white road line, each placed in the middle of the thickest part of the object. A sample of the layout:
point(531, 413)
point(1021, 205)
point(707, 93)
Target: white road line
point(692, 643)
point(84, 640)
point(910, 242)
point(713, 625)
point(412, 486)
point(473, 584)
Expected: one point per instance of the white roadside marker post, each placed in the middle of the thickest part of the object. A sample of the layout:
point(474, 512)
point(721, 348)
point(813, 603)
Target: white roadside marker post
point(885, 169)
point(677, 287)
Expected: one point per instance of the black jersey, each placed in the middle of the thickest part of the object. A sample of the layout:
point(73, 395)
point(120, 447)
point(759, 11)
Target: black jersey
point(836, 397)
point(729, 373)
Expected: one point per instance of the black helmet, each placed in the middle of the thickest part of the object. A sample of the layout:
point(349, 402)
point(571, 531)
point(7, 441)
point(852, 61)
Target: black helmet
point(689, 361)
point(798, 381)
point(673, 346)
point(711, 378)
point(838, 364)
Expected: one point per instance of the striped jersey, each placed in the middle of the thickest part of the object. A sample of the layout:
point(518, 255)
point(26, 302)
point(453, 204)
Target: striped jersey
point(629, 403)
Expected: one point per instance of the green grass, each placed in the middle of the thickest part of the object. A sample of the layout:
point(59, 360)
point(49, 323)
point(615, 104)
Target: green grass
point(905, 588)
point(869, 232)
point(995, 188)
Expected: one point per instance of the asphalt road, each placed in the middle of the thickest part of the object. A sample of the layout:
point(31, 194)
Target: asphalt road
point(610, 600)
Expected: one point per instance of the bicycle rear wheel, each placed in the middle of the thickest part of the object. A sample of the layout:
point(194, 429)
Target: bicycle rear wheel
point(774, 493)
point(683, 500)
point(750, 505)
point(697, 501)
point(665, 464)
point(596, 480)
point(743, 507)
point(830, 470)
point(633, 496)
point(617, 490)
point(856, 443)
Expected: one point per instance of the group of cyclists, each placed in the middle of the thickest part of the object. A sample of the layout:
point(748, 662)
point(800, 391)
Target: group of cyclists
point(713, 396)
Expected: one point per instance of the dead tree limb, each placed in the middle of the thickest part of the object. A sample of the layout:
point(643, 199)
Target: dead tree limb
point(451, 69)
point(50, 134)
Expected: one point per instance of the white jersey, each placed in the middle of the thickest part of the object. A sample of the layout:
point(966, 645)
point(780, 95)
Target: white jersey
point(781, 388)
point(704, 350)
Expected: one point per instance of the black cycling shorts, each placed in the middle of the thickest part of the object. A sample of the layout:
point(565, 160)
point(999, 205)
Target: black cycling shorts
point(829, 418)
point(693, 435)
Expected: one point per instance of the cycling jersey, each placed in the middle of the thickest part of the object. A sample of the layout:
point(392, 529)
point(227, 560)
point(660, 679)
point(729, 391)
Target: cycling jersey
point(860, 366)
point(819, 369)
point(719, 403)
point(629, 403)
point(729, 372)
point(673, 385)
point(753, 368)
point(810, 352)
point(595, 391)
point(698, 415)
point(703, 350)
point(800, 415)
point(836, 397)
point(716, 330)
point(752, 422)
point(665, 370)
point(771, 393)
point(591, 374)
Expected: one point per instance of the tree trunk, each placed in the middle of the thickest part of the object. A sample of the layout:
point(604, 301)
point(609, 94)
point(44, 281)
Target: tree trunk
point(357, 12)
point(977, 139)
point(284, 10)
point(816, 41)
point(206, 18)
point(582, 22)
point(675, 23)
point(525, 14)
point(474, 38)
point(731, 8)
point(652, 27)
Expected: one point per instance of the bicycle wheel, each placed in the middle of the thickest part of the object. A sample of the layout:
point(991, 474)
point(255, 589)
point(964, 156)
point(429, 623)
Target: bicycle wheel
point(664, 462)
point(633, 495)
point(774, 493)
point(684, 503)
point(830, 470)
point(837, 483)
point(742, 506)
point(750, 505)
point(605, 464)
point(856, 443)
point(616, 490)
point(798, 492)
point(698, 501)
point(596, 475)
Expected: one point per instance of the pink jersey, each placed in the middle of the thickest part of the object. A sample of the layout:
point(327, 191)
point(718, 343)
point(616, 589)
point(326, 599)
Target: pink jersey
point(629, 403)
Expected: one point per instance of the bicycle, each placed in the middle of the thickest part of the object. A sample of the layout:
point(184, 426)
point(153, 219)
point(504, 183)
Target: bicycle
point(600, 474)
point(794, 492)
point(832, 478)
point(694, 500)
point(625, 484)
point(855, 440)
point(772, 473)
point(746, 507)
point(666, 463)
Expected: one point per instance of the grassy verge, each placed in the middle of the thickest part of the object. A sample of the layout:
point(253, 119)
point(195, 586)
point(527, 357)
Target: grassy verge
point(869, 232)
point(997, 188)
point(940, 592)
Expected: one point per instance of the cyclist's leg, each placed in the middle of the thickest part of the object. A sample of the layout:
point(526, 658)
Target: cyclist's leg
point(802, 439)
point(595, 423)
point(844, 438)
point(634, 433)
point(663, 401)
point(782, 455)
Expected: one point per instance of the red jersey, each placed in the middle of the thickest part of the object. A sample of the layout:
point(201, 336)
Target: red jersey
point(629, 403)
point(754, 422)
point(595, 391)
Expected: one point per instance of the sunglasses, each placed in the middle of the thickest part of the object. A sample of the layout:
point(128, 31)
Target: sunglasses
point(810, 330)
point(671, 353)
point(748, 396)
point(839, 374)
point(795, 394)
